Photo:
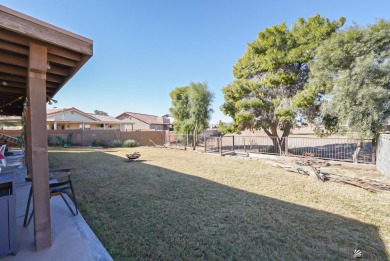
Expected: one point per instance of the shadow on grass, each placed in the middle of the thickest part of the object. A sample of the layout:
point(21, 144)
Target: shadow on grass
point(140, 211)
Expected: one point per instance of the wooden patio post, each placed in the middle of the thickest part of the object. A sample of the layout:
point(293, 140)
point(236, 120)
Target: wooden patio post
point(37, 132)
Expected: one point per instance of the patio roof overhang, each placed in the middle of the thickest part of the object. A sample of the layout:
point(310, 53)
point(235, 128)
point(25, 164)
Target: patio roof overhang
point(36, 60)
point(66, 54)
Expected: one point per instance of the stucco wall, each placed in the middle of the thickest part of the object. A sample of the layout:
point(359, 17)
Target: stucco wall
point(138, 125)
point(383, 154)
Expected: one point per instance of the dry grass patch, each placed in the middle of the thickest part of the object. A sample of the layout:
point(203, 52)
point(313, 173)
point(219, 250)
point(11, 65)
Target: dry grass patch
point(184, 205)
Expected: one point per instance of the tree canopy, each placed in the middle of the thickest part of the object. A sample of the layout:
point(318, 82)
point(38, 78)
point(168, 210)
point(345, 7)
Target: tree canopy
point(191, 107)
point(97, 112)
point(271, 72)
point(350, 79)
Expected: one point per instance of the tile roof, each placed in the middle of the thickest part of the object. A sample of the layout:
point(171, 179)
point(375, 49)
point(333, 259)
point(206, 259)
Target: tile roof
point(104, 117)
point(147, 118)
point(57, 110)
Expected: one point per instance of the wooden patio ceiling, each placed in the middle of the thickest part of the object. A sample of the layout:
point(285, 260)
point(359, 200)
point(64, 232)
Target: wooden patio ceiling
point(66, 54)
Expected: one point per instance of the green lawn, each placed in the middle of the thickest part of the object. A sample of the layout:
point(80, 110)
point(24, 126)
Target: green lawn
point(184, 205)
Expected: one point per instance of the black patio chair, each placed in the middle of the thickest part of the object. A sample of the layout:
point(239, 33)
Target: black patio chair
point(59, 183)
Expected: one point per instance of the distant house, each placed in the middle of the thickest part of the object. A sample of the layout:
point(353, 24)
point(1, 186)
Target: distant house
point(145, 121)
point(10, 123)
point(72, 118)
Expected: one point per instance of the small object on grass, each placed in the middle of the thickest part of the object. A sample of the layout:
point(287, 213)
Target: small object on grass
point(133, 156)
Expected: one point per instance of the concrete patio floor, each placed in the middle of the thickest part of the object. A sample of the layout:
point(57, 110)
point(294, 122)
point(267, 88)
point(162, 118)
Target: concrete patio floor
point(72, 239)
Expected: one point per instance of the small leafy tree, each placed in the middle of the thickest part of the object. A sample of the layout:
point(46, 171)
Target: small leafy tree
point(270, 74)
point(191, 108)
point(225, 128)
point(68, 142)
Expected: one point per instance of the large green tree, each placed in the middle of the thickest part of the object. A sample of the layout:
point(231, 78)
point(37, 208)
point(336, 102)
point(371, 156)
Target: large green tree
point(271, 72)
point(191, 108)
point(350, 79)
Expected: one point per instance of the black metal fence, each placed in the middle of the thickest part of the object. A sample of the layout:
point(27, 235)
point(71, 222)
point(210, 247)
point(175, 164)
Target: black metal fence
point(342, 149)
point(180, 141)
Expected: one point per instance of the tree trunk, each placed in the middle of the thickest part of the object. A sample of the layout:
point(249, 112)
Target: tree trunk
point(373, 147)
point(285, 134)
point(273, 134)
point(195, 138)
point(278, 143)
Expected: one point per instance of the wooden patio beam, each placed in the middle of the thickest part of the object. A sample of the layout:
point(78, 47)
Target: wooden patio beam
point(13, 78)
point(58, 70)
point(8, 58)
point(17, 85)
point(60, 60)
point(54, 78)
point(36, 29)
point(11, 89)
point(13, 48)
point(15, 70)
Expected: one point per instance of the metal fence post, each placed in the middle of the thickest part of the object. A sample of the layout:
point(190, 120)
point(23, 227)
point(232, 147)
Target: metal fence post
point(220, 145)
point(205, 143)
point(233, 143)
point(243, 139)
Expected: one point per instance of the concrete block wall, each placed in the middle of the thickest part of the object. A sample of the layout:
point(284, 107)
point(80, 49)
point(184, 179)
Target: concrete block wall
point(383, 154)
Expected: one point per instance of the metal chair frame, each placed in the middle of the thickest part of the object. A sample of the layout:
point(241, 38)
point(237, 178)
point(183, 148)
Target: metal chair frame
point(56, 189)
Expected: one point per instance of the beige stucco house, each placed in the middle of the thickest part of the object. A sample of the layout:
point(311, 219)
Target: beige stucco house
point(70, 119)
point(146, 121)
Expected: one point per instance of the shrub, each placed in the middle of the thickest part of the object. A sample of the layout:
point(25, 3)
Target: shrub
point(69, 139)
point(116, 143)
point(181, 140)
point(130, 143)
point(20, 141)
point(49, 140)
point(59, 141)
point(98, 143)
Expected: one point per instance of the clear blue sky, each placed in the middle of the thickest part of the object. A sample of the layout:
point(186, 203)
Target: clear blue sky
point(144, 49)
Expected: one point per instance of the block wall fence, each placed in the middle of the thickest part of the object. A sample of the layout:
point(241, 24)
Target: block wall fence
point(87, 137)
